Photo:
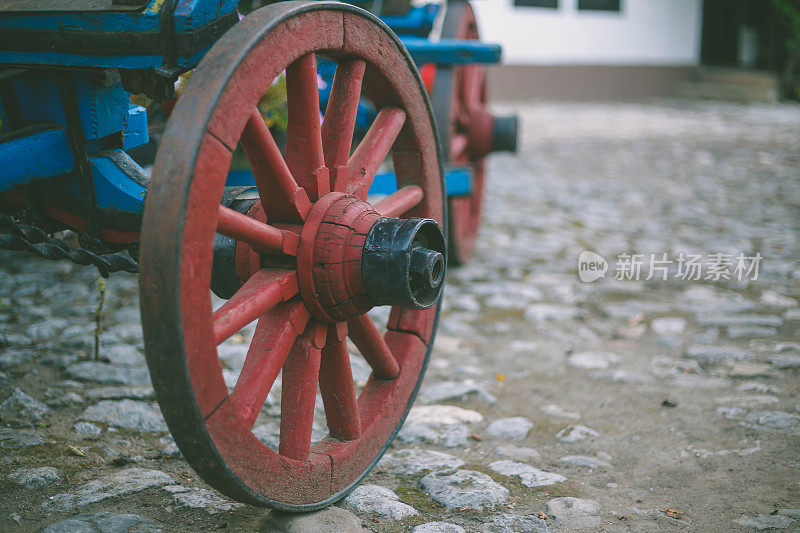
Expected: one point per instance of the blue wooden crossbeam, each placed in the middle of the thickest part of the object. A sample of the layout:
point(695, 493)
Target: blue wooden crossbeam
point(451, 51)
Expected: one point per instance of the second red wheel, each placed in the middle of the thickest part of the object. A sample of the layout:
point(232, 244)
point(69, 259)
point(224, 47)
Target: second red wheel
point(467, 131)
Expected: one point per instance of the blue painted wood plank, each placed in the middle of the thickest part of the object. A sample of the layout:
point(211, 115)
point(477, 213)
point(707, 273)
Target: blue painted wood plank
point(41, 155)
point(418, 21)
point(451, 51)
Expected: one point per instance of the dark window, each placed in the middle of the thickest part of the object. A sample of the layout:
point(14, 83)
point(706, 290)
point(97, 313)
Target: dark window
point(536, 3)
point(599, 5)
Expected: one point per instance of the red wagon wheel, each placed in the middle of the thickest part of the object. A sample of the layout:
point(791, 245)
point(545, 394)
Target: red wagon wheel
point(465, 129)
point(318, 256)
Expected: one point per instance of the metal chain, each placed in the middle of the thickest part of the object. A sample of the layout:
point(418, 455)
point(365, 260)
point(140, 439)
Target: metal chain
point(21, 237)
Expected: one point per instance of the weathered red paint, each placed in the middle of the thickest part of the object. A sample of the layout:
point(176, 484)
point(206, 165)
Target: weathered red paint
point(400, 202)
point(304, 155)
point(337, 388)
point(214, 114)
point(373, 149)
point(340, 120)
point(261, 237)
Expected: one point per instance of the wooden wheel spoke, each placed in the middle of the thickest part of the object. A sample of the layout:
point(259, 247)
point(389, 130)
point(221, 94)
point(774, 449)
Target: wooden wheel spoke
point(400, 201)
point(340, 120)
point(458, 147)
point(373, 149)
point(276, 333)
point(337, 387)
point(299, 393)
point(472, 86)
point(263, 291)
point(261, 237)
point(373, 347)
point(304, 154)
point(280, 194)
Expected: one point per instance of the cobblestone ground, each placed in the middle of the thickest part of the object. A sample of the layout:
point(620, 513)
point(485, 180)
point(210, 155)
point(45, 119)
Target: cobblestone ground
point(549, 403)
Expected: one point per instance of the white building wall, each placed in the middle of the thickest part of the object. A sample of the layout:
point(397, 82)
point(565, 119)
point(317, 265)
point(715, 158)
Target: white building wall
point(643, 32)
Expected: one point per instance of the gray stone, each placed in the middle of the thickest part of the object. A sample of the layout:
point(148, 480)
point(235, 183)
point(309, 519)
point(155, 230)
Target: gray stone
point(749, 369)
point(774, 299)
point(670, 343)
point(121, 393)
point(574, 513)
point(514, 428)
point(517, 452)
point(464, 488)
point(105, 523)
point(129, 414)
point(791, 513)
point(66, 400)
point(447, 436)
point(170, 449)
point(377, 500)
point(716, 354)
point(414, 460)
point(442, 415)
point(592, 360)
point(739, 320)
point(528, 475)
point(120, 483)
point(87, 428)
point(792, 314)
point(785, 361)
point(762, 522)
point(35, 478)
point(440, 425)
point(543, 313)
point(46, 329)
point(328, 520)
point(438, 527)
point(707, 336)
point(739, 332)
point(22, 407)
point(692, 381)
point(19, 438)
point(668, 325)
point(557, 411)
point(574, 433)
point(208, 500)
point(512, 523)
point(621, 375)
point(749, 402)
point(775, 421)
point(123, 354)
point(454, 390)
point(12, 358)
point(58, 360)
point(584, 461)
point(754, 386)
point(108, 373)
point(670, 366)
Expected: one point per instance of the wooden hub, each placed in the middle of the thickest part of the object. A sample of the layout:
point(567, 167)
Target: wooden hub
point(351, 259)
point(329, 257)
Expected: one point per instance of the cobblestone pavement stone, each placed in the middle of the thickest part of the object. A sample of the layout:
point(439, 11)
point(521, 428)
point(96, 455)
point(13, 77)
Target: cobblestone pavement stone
point(609, 406)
